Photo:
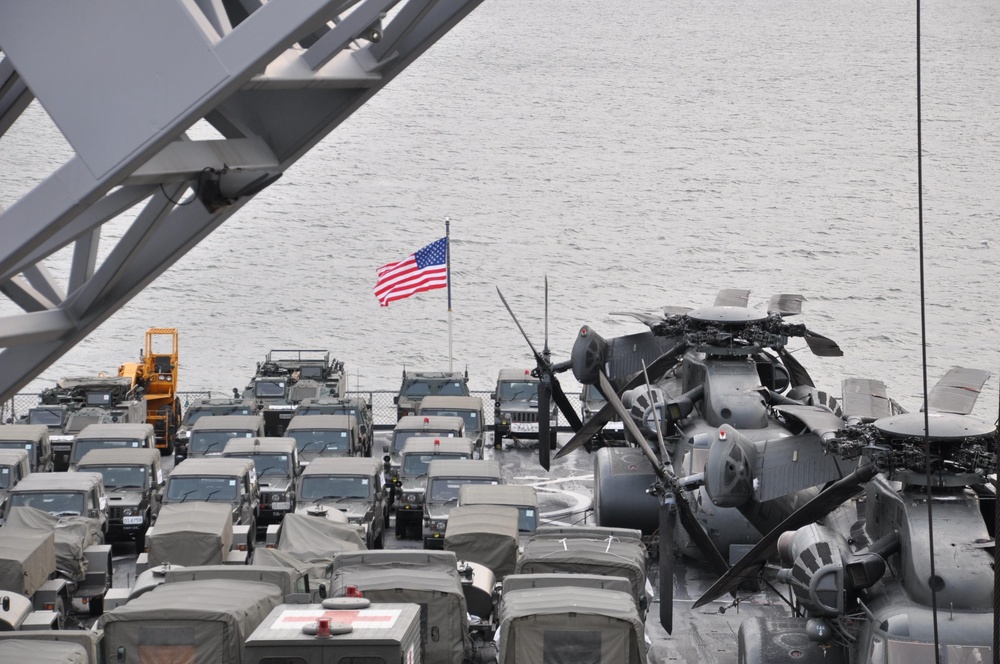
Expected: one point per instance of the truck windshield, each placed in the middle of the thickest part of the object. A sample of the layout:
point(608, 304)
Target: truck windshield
point(83, 446)
point(214, 489)
point(16, 445)
point(268, 388)
point(4, 477)
point(269, 464)
point(454, 388)
point(59, 503)
point(213, 442)
point(445, 490)
point(316, 442)
point(315, 487)
point(50, 417)
point(518, 390)
point(120, 476)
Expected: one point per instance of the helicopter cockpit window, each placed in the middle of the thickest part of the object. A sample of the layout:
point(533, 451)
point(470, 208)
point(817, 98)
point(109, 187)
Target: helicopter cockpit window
point(522, 390)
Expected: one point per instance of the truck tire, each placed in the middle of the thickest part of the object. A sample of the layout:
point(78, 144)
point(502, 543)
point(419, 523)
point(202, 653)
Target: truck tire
point(96, 605)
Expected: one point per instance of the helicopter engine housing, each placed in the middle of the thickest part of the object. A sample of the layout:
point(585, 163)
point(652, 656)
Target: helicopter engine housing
point(815, 558)
point(729, 468)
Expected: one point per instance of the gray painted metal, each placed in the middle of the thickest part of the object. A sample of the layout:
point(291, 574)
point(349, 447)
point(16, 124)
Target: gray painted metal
point(126, 119)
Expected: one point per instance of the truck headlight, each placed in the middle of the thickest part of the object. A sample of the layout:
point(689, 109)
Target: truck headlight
point(128, 511)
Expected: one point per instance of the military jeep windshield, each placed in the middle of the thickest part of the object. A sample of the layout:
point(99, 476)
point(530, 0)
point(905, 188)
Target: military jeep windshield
point(195, 414)
point(445, 490)
point(518, 391)
point(121, 477)
point(84, 446)
point(415, 465)
point(4, 477)
point(50, 417)
point(423, 388)
point(269, 464)
point(215, 489)
point(16, 445)
point(269, 388)
point(317, 441)
point(206, 442)
point(76, 423)
point(58, 503)
point(316, 487)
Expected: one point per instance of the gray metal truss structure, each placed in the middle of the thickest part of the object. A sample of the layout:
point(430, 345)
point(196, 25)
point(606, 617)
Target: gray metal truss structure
point(124, 82)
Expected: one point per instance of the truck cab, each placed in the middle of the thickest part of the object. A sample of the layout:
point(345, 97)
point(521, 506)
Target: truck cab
point(33, 439)
point(411, 480)
point(133, 480)
point(111, 436)
point(209, 435)
point(515, 406)
point(14, 467)
point(469, 409)
point(324, 436)
point(356, 407)
point(353, 486)
point(419, 384)
point(419, 426)
point(217, 480)
point(445, 478)
point(210, 408)
point(276, 462)
point(63, 494)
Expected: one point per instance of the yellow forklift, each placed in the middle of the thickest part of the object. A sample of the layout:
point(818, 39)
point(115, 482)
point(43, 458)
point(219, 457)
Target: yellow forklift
point(156, 374)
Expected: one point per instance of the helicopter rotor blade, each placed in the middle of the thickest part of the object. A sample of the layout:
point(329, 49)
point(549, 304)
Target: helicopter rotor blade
point(668, 521)
point(957, 391)
point(822, 346)
point(544, 412)
point(732, 297)
point(619, 407)
point(822, 504)
point(593, 426)
point(785, 304)
point(565, 407)
point(796, 371)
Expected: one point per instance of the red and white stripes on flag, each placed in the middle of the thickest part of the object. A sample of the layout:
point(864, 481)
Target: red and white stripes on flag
point(423, 270)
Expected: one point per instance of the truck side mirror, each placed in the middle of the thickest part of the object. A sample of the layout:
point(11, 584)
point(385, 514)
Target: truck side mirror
point(395, 400)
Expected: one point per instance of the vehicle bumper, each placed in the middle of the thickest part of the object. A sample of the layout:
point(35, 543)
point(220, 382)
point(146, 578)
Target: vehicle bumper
point(267, 516)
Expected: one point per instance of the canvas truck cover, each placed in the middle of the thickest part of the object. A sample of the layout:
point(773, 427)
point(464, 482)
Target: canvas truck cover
point(318, 573)
point(399, 558)
point(588, 532)
point(311, 538)
point(608, 557)
point(522, 581)
point(438, 589)
point(570, 625)
point(27, 558)
point(87, 639)
point(285, 578)
point(191, 534)
point(18, 651)
point(73, 534)
point(485, 534)
point(191, 621)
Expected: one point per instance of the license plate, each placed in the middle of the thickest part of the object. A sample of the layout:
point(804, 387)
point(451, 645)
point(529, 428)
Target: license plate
point(285, 416)
point(524, 427)
point(281, 506)
point(132, 520)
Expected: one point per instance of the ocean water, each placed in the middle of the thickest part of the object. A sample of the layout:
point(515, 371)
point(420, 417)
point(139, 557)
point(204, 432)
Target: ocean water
point(637, 155)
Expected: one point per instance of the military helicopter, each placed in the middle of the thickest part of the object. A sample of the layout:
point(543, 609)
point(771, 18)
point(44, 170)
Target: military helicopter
point(705, 387)
point(916, 570)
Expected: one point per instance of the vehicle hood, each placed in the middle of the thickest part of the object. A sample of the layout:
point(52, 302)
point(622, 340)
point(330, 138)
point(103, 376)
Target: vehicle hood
point(126, 498)
point(438, 511)
point(273, 484)
point(351, 509)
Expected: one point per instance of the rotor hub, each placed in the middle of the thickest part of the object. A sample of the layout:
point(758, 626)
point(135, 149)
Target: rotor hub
point(943, 427)
point(726, 316)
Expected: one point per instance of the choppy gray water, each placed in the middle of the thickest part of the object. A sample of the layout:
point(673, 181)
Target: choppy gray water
point(639, 154)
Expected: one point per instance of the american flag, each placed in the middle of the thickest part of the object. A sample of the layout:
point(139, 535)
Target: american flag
point(423, 270)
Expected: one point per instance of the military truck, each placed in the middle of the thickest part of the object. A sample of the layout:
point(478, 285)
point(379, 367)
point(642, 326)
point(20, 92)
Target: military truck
point(133, 480)
point(209, 435)
point(32, 438)
point(469, 409)
point(444, 480)
point(411, 477)
point(14, 467)
point(292, 634)
point(113, 436)
point(515, 406)
point(276, 462)
point(27, 561)
point(64, 494)
point(286, 377)
point(195, 533)
point(200, 408)
point(419, 384)
point(414, 426)
point(218, 480)
point(325, 436)
point(77, 401)
point(354, 487)
point(355, 406)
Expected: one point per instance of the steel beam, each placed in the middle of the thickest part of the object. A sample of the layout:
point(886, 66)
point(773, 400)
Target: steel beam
point(123, 82)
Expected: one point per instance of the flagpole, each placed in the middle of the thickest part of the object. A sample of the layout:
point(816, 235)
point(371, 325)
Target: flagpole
point(447, 244)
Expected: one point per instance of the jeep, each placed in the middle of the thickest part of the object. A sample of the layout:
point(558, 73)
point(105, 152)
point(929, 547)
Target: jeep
point(218, 480)
point(111, 436)
point(352, 486)
point(411, 478)
point(444, 480)
point(276, 462)
point(354, 406)
point(14, 467)
point(469, 409)
point(209, 435)
point(325, 435)
point(63, 494)
point(515, 406)
point(412, 426)
point(133, 480)
point(33, 439)
point(419, 384)
point(210, 408)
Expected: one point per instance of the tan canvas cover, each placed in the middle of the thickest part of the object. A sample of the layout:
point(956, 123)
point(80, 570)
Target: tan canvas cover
point(192, 621)
point(484, 534)
point(88, 640)
point(73, 534)
point(588, 532)
point(18, 651)
point(317, 572)
point(437, 588)
point(522, 581)
point(27, 558)
point(283, 577)
point(315, 539)
point(191, 534)
point(399, 558)
point(570, 625)
point(580, 555)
